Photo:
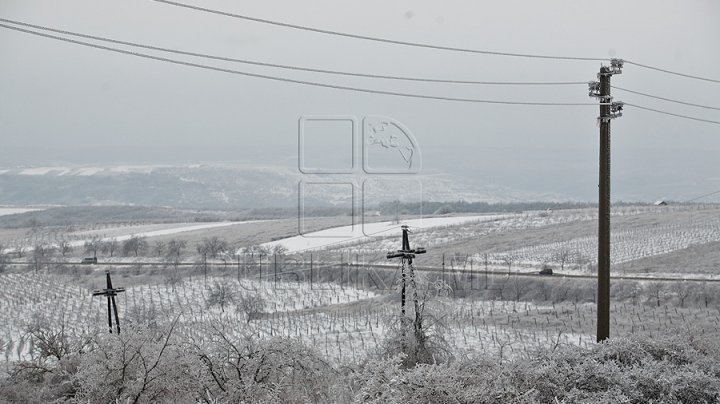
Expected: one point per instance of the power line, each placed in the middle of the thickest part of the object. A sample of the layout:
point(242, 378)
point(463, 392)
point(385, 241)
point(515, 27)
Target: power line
point(420, 45)
point(666, 71)
point(665, 99)
point(375, 39)
point(288, 80)
point(281, 66)
point(702, 196)
point(672, 114)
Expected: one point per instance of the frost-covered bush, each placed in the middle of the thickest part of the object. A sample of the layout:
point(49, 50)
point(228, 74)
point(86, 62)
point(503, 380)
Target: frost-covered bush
point(163, 365)
point(678, 369)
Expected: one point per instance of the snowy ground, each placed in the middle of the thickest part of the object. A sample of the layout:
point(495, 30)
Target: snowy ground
point(365, 232)
point(126, 232)
point(12, 211)
point(345, 324)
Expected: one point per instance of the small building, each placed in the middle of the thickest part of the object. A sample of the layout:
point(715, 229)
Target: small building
point(660, 203)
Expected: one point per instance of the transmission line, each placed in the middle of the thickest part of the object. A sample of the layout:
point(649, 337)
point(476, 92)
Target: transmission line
point(418, 44)
point(288, 80)
point(288, 67)
point(671, 113)
point(665, 99)
point(630, 62)
point(371, 38)
point(702, 196)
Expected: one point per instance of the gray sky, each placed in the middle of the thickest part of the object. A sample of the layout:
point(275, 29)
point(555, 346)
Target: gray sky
point(64, 103)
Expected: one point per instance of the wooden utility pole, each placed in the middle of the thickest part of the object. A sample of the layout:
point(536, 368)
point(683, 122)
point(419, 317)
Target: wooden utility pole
point(110, 292)
point(608, 111)
point(406, 255)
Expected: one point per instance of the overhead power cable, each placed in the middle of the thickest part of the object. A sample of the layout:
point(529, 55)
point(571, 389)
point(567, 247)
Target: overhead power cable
point(671, 113)
point(702, 196)
point(665, 99)
point(691, 76)
point(372, 38)
point(288, 80)
point(417, 44)
point(288, 67)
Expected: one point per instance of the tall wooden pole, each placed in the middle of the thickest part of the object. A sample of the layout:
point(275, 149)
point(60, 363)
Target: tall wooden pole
point(603, 292)
point(608, 111)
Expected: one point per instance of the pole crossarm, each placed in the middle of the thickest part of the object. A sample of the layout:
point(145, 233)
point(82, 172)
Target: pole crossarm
point(406, 252)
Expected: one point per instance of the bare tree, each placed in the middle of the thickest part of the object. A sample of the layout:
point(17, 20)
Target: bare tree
point(656, 290)
point(683, 292)
point(562, 257)
point(212, 247)
point(257, 252)
point(220, 294)
point(93, 246)
point(561, 291)
point(253, 305)
point(518, 286)
point(64, 247)
point(707, 294)
point(110, 246)
point(38, 255)
point(159, 248)
point(135, 245)
point(202, 249)
point(249, 370)
point(279, 249)
point(173, 252)
point(175, 248)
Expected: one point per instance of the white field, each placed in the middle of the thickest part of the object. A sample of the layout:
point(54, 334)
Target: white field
point(154, 230)
point(13, 211)
point(626, 245)
point(365, 232)
point(122, 233)
point(343, 323)
point(85, 170)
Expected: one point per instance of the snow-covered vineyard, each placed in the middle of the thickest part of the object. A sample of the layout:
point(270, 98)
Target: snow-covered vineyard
point(344, 324)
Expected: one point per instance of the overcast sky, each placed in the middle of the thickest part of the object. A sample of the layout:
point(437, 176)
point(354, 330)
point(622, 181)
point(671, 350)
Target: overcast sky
point(64, 103)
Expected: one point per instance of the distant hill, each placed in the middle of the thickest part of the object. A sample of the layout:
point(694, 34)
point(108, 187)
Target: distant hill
point(231, 186)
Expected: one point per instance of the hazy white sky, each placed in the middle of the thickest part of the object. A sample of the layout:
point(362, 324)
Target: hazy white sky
point(64, 103)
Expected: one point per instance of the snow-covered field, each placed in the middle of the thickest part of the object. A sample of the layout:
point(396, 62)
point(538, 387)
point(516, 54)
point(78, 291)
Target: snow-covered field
point(122, 233)
point(626, 245)
point(82, 170)
point(155, 230)
point(344, 323)
point(12, 211)
point(344, 235)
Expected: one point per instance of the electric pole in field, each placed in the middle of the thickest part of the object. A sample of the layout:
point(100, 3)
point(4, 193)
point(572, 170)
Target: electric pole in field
point(407, 276)
point(608, 111)
point(110, 293)
point(406, 256)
